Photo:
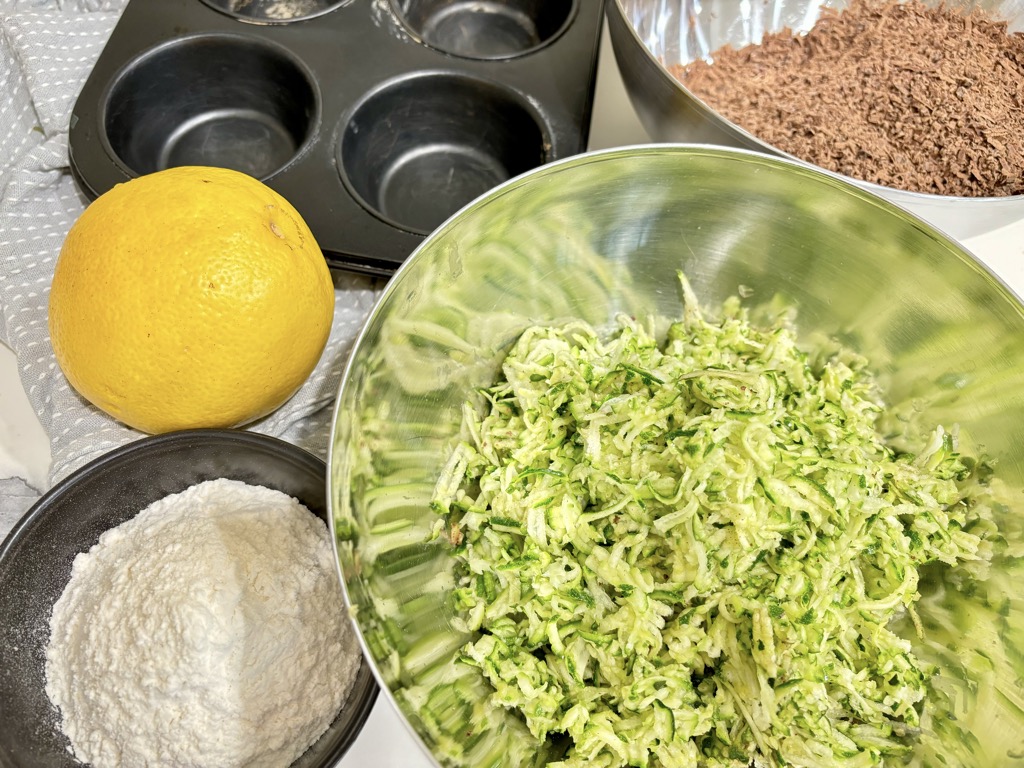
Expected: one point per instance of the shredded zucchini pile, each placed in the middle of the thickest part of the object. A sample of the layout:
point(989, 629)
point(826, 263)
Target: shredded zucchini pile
point(693, 553)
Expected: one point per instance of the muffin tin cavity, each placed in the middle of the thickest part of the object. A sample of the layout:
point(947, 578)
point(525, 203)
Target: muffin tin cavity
point(376, 119)
point(273, 11)
point(420, 148)
point(485, 29)
point(211, 100)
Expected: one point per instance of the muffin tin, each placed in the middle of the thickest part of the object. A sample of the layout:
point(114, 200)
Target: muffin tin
point(377, 119)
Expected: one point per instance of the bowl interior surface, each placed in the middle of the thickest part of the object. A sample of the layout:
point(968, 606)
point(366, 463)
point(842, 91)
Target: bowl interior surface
point(485, 30)
point(274, 11)
point(36, 560)
point(603, 234)
point(221, 100)
point(419, 148)
point(682, 31)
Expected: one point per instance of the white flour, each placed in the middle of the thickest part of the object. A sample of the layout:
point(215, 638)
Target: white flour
point(208, 631)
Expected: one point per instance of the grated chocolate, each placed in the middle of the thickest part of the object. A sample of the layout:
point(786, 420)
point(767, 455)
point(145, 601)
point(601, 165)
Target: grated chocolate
point(896, 93)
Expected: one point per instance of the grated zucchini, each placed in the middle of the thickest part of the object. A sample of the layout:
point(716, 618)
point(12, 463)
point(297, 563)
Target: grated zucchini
point(695, 552)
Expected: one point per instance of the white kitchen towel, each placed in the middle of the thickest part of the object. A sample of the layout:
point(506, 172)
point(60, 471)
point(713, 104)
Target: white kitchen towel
point(47, 49)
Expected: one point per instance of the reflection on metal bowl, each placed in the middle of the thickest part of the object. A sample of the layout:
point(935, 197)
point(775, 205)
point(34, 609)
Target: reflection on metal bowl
point(649, 38)
point(605, 233)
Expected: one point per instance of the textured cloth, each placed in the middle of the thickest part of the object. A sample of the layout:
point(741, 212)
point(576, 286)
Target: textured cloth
point(47, 49)
point(16, 496)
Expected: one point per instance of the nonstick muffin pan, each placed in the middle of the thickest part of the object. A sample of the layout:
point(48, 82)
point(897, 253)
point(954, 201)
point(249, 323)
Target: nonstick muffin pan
point(377, 119)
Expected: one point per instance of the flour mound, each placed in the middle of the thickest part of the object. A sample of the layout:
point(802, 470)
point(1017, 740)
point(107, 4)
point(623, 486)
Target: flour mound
point(209, 630)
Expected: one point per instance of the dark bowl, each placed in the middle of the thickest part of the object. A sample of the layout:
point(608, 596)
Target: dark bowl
point(36, 559)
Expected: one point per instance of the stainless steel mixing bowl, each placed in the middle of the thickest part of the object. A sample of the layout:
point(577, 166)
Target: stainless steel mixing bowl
point(649, 37)
point(604, 233)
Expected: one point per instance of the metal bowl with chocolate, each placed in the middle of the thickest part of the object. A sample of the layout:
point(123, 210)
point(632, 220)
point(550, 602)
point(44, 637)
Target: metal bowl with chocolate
point(918, 101)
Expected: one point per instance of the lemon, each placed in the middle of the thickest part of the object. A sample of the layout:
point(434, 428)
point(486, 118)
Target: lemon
point(190, 297)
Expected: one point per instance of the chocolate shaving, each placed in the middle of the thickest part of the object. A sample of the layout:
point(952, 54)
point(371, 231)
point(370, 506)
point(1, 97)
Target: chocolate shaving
point(896, 93)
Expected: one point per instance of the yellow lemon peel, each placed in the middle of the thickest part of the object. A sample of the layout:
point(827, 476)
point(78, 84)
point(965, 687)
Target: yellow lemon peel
point(187, 298)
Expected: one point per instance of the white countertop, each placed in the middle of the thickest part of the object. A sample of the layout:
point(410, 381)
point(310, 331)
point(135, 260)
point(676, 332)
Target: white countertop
point(385, 742)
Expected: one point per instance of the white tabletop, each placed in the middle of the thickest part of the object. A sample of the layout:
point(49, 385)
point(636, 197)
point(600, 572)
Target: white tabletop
point(385, 742)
